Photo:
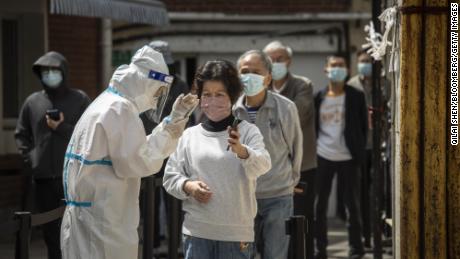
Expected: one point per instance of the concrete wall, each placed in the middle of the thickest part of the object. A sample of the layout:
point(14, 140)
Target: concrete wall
point(356, 30)
point(310, 51)
point(310, 65)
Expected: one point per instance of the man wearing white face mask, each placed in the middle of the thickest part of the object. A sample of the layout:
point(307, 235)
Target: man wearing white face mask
point(278, 121)
point(108, 154)
point(341, 125)
point(299, 90)
point(42, 136)
point(363, 82)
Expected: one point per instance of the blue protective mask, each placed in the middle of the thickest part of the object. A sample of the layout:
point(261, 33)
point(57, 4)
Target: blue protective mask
point(337, 74)
point(365, 69)
point(52, 78)
point(279, 70)
point(253, 83)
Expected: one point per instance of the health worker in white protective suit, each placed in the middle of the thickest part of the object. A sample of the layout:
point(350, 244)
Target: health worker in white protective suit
point(109, 153)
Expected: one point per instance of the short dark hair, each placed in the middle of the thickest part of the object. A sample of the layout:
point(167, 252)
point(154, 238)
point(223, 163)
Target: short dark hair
point(336, 55)
point(363, 51)
point(223, 71)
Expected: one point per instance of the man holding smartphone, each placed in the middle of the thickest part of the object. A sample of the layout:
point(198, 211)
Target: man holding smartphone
point(43, 131)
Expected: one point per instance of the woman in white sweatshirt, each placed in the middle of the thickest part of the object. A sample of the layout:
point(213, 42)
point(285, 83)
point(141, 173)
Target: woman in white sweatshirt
point(214, 171)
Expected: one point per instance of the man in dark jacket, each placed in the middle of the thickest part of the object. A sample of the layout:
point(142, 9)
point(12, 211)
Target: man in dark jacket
point(42, 137)
point(341, 125)
point(299, 90)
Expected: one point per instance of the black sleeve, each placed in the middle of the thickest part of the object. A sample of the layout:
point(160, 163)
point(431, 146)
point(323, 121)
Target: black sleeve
point(317, 101)
point(363, 114)
point(85, 104)
point(65, 129)
point(23, 134)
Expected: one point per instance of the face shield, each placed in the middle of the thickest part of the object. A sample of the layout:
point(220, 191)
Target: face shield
point(160, 96)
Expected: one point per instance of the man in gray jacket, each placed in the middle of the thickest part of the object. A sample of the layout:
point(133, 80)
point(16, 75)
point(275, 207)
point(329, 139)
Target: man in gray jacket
point(299, 90)
point(278, 121)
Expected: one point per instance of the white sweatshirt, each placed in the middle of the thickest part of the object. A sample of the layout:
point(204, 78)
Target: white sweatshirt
point(202, 155)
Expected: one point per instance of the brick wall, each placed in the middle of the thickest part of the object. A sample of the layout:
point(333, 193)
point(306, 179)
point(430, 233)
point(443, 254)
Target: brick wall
point(77, 38)
point(257, 6)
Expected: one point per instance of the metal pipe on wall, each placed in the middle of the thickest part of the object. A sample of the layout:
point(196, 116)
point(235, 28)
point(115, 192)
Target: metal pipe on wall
point(106, 52)
point(376, 140)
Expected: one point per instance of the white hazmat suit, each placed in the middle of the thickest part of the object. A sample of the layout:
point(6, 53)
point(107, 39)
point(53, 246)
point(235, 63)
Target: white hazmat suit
point(109, 153)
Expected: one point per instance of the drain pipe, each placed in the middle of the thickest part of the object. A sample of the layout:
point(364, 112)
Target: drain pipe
point(106, 53)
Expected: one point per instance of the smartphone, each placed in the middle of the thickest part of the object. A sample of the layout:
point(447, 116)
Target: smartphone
point(53, 114)
point(234, 127)
point(235, 124)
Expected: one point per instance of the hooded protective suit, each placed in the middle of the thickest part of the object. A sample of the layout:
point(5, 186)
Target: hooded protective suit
point(106, 157)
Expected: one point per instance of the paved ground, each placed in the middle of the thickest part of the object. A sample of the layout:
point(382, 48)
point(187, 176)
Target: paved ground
point(337, 238)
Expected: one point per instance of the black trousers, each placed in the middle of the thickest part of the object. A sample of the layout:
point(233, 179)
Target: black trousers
point(171, 204)
point(349, 176)
point(48, 196)
point(365, 197)
point(304, 204)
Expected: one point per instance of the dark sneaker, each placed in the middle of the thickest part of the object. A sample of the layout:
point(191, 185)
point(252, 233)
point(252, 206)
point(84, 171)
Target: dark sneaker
point(357, 256)
point(321, 256)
